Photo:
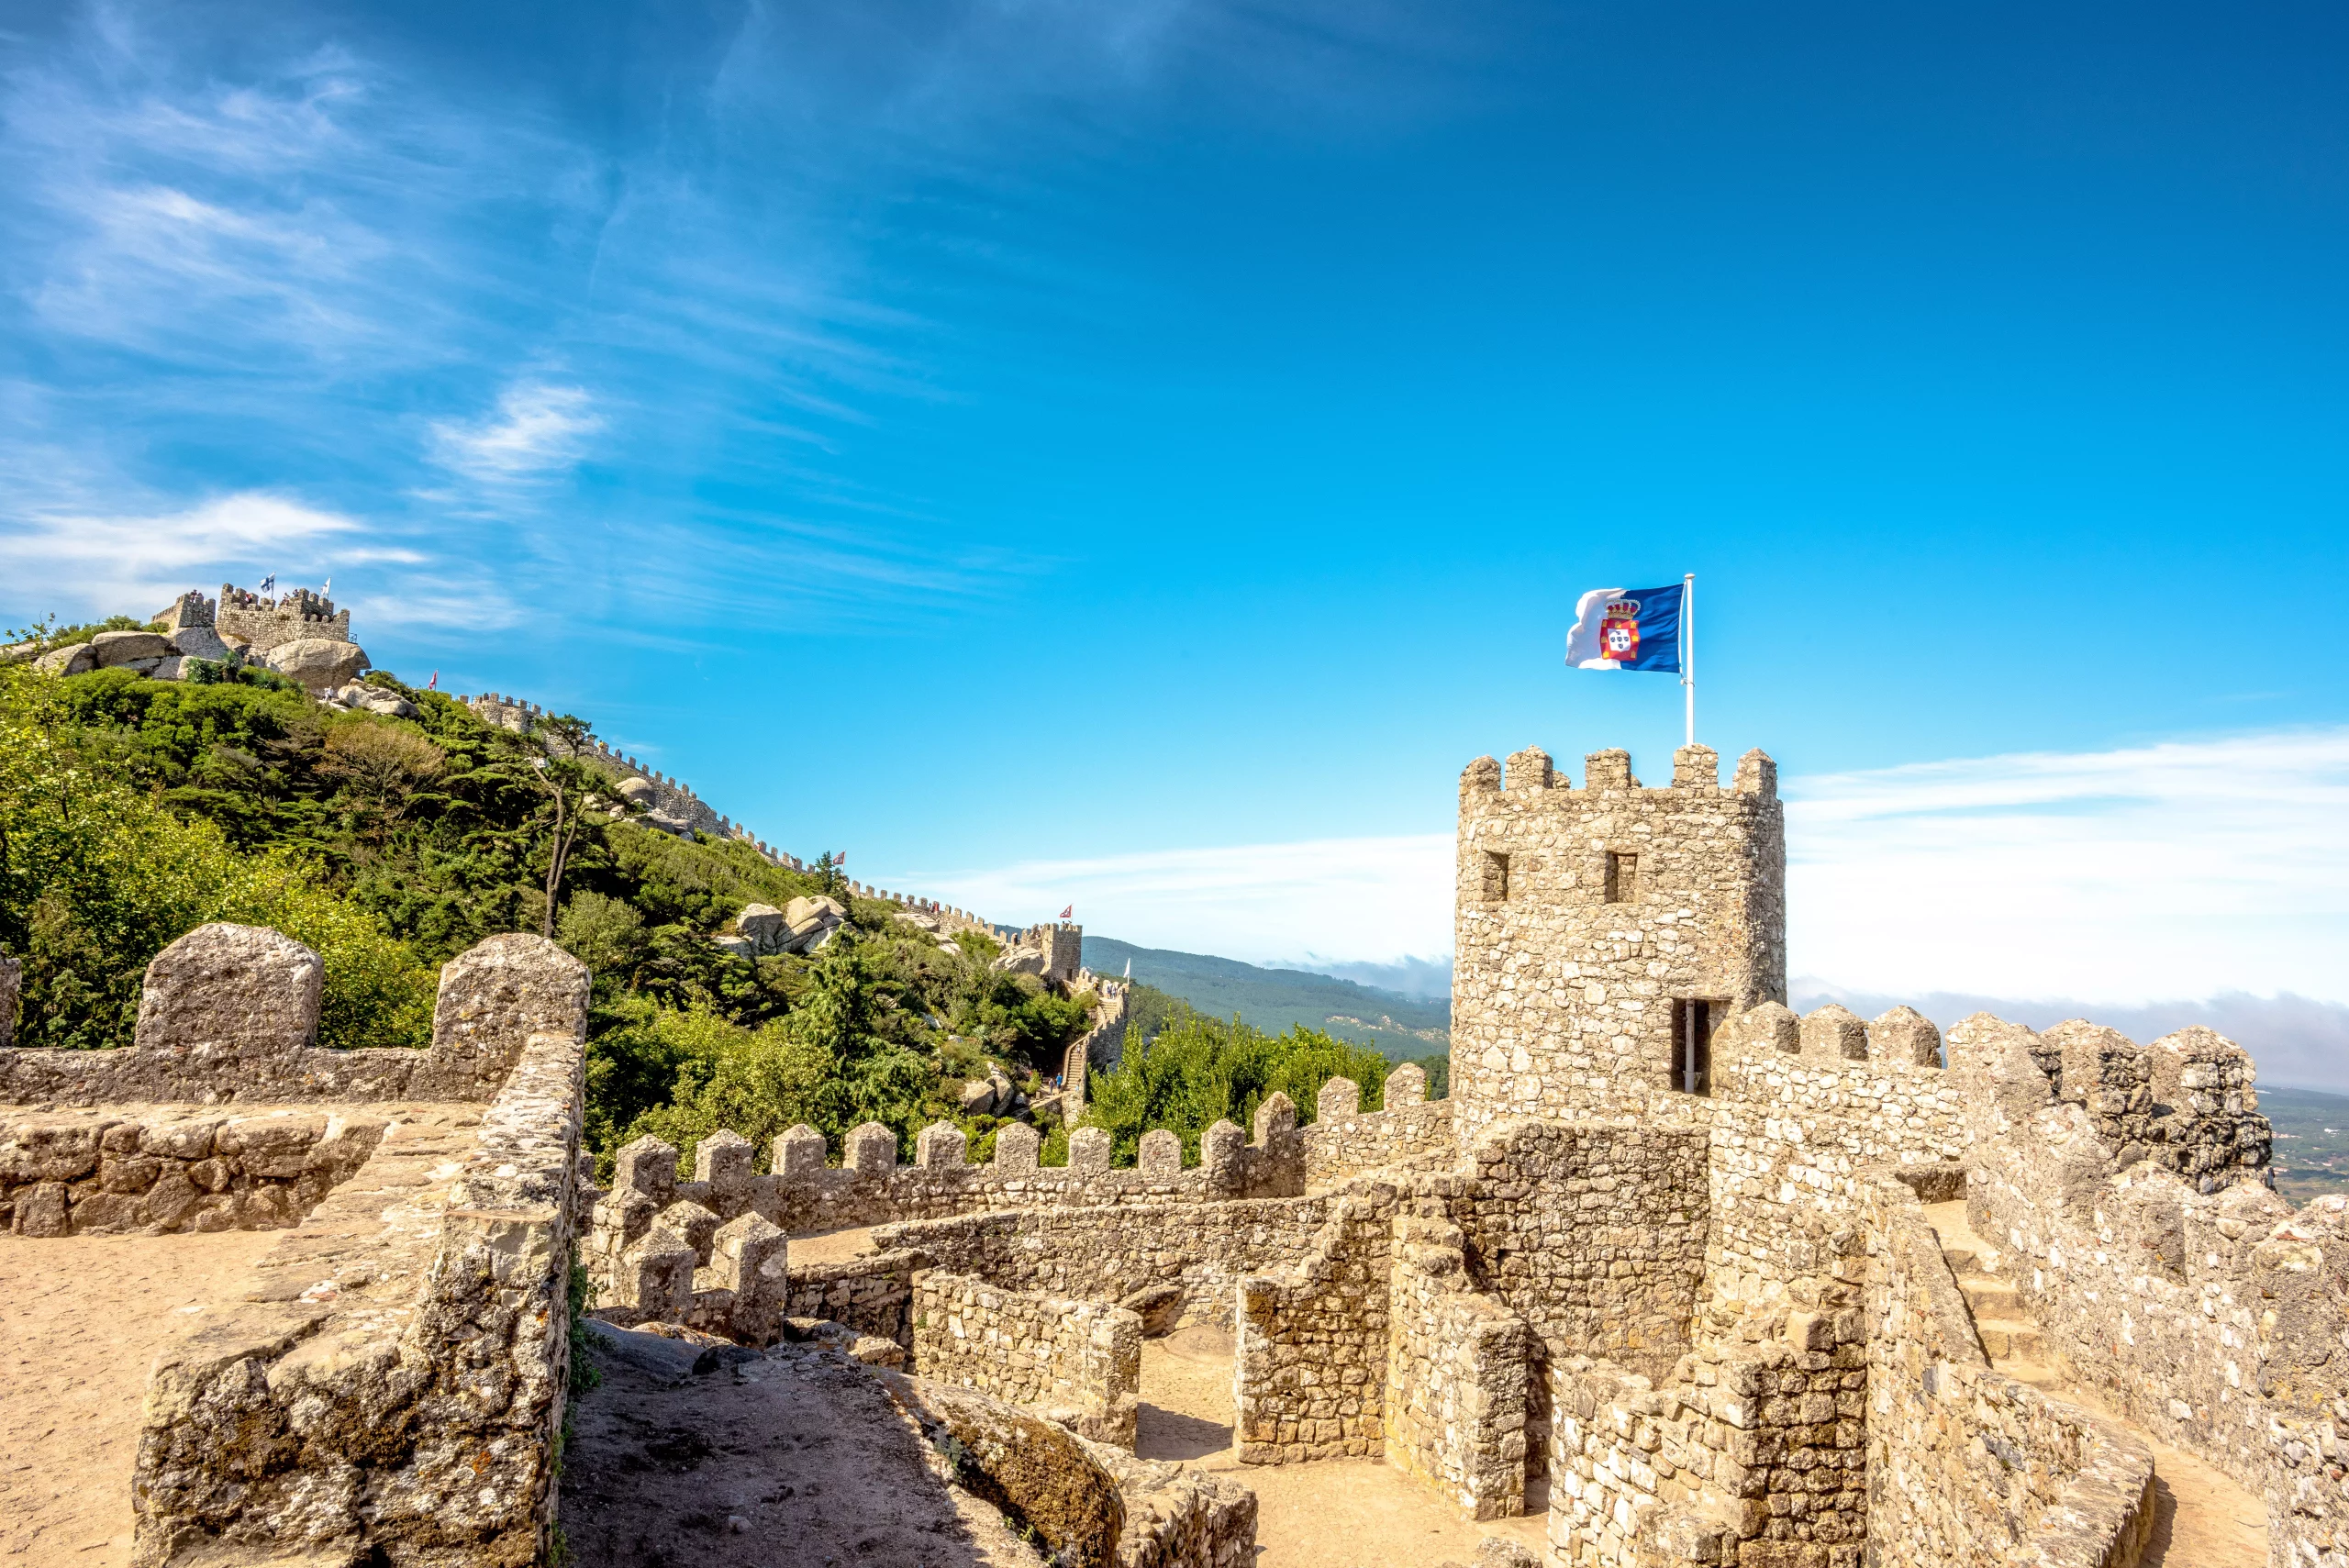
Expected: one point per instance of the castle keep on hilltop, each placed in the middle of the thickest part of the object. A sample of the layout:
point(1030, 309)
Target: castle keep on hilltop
point(1691, 1279)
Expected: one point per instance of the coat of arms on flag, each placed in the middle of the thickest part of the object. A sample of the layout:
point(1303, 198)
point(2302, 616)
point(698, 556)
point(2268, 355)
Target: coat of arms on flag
point(1627, 628)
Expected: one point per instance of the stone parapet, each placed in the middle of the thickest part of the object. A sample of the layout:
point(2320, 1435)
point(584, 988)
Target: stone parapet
point(801, 1195)
point(1457, 1368)
point(406, 1357)
point(168, 1168)
point(230, 1013)
point(1411, 1132)
point(1311, 1366)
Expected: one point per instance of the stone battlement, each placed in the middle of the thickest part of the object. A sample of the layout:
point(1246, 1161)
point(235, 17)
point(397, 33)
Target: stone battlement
point(291, 617)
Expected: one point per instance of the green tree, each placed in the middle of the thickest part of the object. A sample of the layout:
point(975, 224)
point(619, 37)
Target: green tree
point(1200, 1070)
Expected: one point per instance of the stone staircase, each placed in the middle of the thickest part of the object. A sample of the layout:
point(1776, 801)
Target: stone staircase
point(2202, 1518)
point(2013, 1340)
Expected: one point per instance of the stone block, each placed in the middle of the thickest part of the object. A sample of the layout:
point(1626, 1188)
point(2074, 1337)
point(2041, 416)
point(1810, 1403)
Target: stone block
point(722, 1163)
point(492, 997)
point(1406, 1085)
point(692, 1224)
point(872, 1150)
point(1160, 1154)
point(1905, 1035)
point(1089, 1149)
point(225, 993)
point(799, 1153)
point(1339, 1098)
point(1016, 1147)
point(647, 1166)
point(1834, 1033)
point(1276, 1116)
point(1609, 770)
point(1767, 1028)
point(1696, 767)
point(1528, 769)
point(941, 1146)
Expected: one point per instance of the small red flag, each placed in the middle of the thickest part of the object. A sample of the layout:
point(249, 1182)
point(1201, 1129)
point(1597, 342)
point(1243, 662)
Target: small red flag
point(1067, 912)
point(433, 684)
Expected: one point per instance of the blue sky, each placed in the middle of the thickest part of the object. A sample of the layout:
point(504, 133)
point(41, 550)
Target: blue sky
point(1138, 454)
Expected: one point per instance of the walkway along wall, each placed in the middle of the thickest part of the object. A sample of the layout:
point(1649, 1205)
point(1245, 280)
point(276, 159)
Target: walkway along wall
point(1968, 1467)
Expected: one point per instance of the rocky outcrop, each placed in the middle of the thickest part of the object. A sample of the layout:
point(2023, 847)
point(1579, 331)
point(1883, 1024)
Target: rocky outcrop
point(80, 659)
point(319, 663)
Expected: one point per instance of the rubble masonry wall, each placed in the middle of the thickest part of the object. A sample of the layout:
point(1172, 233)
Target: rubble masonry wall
point(1079, 1362)
point(1311, 1339)
point(1457, 1365)
point(1594, 1234)
point(2179, 1284)
point(160, 1169)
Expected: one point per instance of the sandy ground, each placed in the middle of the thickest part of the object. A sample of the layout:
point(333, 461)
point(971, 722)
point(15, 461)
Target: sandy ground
point(791, 1458)
point(1334, 1514)
point(79, 1319)
point(2201, 1518)
point(830, 1247)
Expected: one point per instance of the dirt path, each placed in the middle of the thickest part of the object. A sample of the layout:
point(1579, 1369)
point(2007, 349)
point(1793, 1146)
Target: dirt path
point(793, 1456)
point(2202, 1519)
point(81, 1317)
point(1333, 1514)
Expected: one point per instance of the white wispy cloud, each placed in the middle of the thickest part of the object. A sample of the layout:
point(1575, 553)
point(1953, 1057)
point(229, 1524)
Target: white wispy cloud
point(538, 430)
point(1359, 898)
point(2182, 868)
point(2186, 869)
point(101, 565)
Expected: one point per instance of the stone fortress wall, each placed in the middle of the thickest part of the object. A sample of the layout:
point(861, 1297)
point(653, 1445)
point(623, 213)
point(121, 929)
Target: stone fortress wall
point(391, 1385)
point(1662, 1249)
point(264, 623)
point(1669, 1264)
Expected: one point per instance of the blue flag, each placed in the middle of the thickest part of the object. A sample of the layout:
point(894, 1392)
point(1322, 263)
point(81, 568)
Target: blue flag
point(1626, 629)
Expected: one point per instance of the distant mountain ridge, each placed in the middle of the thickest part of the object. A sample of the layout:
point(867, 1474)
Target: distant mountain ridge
point(1396, 1025)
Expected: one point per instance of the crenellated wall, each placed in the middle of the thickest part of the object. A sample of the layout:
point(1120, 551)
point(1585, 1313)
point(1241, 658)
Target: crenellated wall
point(1802, 1107)
point(231, 1014)
point(1412, 1132)
point(389, 1384)
point(2162, 1270)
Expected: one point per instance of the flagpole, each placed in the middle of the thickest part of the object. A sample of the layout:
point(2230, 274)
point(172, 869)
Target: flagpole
point(1689, 647)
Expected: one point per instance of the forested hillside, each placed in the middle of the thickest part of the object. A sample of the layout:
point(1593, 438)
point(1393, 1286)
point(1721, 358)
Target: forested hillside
point(1401, 1028)
point(134, 809)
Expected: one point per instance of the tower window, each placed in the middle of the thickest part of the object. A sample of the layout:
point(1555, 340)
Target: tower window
point(1623, 878)
point(1692, 1046)
point(1496, 877)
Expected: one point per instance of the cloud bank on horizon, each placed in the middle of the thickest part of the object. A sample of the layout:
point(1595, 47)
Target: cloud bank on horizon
point(2186, 869)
